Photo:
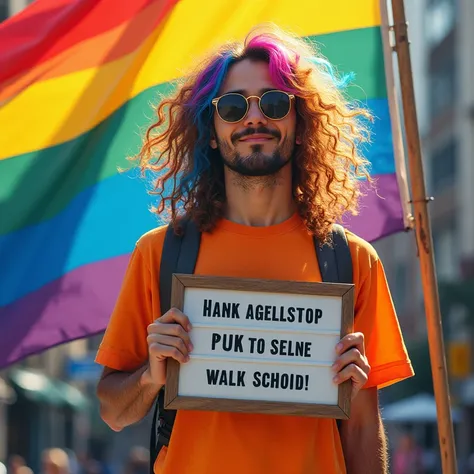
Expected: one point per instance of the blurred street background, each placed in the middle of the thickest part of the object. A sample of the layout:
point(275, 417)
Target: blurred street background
point(48, 401)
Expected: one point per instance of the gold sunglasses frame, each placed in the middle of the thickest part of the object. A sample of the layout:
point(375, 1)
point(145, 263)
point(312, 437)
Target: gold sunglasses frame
point(216, 100)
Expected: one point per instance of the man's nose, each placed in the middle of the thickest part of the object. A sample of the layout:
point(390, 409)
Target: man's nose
point(254, 115)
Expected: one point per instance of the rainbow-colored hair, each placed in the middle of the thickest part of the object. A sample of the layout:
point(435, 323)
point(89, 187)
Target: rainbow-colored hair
point(326, 166)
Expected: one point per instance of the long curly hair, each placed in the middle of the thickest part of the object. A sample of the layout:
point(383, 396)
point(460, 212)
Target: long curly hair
point(328, 166)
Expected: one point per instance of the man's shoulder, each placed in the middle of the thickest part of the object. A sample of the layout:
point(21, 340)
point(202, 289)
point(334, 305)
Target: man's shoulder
point(152, 241)
point(361, 250)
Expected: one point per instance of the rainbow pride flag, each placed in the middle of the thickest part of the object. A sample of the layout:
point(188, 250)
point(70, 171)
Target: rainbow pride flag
point(76, 81)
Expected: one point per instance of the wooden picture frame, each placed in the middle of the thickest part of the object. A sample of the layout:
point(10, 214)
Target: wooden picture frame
point(187, 284)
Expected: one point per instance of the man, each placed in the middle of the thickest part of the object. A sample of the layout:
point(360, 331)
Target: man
point(265, 148)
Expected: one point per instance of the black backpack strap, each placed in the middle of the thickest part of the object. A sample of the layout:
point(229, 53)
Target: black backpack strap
point(179, 255)
point(335, 262)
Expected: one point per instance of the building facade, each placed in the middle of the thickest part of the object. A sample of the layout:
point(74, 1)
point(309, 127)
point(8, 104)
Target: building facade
point(442, 41)
point(441, 46)
point(11, 7)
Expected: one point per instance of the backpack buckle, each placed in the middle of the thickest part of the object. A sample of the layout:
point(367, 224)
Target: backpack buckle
point(164, 430)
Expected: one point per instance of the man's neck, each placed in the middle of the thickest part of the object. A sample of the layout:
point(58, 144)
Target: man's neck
point(259, 201)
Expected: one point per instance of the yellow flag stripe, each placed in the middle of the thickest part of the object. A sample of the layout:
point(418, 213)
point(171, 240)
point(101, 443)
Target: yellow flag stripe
point(62, 108)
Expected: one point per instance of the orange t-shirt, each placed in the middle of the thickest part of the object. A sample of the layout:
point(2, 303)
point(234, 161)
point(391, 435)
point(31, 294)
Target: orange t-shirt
point(217, 442)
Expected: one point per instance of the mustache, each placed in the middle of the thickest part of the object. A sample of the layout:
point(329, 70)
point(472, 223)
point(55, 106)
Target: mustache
point(252, 131)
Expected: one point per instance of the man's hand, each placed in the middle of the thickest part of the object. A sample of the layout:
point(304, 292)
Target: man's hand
point(167, 337)
point(351, 363)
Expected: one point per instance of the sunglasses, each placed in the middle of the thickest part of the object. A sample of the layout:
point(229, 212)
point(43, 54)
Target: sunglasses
point(233, 107)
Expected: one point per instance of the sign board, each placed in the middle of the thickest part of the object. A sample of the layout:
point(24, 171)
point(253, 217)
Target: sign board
point(262, 346)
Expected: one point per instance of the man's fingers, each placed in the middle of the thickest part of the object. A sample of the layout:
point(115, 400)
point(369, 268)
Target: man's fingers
point(168, 341)
point(168, 336)
point(175, 330)
point(174, 315)
point(351, 340)
point(162, 351)
point(351, 372)
point(352, 356)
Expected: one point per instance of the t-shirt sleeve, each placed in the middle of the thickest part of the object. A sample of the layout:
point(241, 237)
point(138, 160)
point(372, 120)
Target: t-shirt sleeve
point(376, 318)
point(124, 345)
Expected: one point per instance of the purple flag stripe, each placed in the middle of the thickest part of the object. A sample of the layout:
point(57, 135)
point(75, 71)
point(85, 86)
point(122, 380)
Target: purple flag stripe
point(79, 304)
point(379, 215)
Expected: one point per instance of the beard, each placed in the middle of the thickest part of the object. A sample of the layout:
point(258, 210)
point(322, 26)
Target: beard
point(257, 164)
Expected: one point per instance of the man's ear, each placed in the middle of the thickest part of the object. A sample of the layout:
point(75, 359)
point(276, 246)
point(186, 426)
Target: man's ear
point(298, 140)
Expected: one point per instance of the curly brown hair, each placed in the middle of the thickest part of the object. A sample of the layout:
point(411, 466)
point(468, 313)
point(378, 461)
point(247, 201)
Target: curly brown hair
point(327, 166)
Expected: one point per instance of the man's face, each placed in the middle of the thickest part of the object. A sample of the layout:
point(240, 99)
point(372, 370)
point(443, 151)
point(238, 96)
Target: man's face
point(255, 146)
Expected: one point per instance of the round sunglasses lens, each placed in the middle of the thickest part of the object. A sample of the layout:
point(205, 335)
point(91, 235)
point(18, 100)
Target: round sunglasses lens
point(275, 105)
point(232, 107)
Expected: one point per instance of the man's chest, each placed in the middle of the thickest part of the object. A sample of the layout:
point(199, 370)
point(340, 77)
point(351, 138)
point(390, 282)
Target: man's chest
point(280, 258)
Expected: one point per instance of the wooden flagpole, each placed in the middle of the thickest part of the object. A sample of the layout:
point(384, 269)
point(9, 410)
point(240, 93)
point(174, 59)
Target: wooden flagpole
point(425, 243)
